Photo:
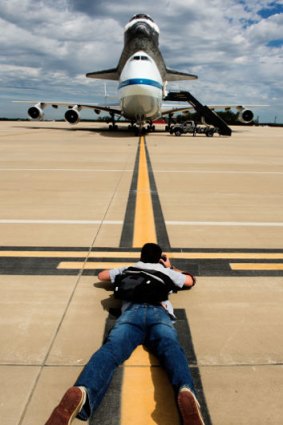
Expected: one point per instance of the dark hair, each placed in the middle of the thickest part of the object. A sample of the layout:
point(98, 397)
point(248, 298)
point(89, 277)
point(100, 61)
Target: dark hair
point(151, 253)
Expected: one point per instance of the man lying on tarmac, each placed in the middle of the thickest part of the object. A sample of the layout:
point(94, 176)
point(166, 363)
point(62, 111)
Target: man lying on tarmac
point(148, 322)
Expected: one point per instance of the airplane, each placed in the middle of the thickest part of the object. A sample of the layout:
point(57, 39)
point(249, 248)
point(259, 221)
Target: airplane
point(143, 77)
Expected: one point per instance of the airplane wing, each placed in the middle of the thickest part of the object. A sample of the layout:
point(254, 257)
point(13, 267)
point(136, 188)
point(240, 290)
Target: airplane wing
point(207, 112)
point(72, 115)
point(245, 115)
point(171, 109)
point(228, 107)
point(168, 109)
point(106, 74)
point(115, 109)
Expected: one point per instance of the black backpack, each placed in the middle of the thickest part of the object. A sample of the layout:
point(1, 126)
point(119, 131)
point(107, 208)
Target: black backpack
point(143, 286)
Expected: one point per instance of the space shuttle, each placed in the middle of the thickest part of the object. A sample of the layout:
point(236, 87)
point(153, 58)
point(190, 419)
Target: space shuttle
point(142, 77)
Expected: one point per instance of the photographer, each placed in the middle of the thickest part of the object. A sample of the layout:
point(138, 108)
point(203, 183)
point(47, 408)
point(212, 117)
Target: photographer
point(146, 323)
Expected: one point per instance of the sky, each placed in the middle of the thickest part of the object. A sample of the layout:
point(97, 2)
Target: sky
point(234, 46)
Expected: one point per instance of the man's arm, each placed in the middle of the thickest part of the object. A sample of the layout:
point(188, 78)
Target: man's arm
point(190, 280)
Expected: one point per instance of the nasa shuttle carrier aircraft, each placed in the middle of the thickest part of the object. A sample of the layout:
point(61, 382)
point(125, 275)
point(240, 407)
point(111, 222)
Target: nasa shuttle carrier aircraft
point(142, 75)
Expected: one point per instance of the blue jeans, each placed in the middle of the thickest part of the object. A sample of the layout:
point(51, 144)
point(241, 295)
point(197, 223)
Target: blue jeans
point(139, 324)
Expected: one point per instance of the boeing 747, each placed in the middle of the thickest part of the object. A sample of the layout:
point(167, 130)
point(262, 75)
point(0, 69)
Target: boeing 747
point(142, 77)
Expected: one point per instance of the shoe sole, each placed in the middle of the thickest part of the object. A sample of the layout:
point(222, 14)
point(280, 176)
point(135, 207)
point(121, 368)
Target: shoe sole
point(68, 408)
point(189, 408)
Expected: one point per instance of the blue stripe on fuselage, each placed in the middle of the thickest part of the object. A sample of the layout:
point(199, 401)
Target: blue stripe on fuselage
point(140, 81)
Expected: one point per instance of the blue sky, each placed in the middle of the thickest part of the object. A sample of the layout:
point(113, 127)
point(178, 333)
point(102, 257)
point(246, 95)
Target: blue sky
point(235, 48)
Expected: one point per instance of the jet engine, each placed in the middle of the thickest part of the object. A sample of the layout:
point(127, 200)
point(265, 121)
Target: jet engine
point(245, 116)
point(35, 112)
point(72, 116)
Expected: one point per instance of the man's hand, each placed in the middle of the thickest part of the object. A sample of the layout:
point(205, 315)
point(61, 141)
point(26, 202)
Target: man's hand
point(164, 260)
point(104, 276)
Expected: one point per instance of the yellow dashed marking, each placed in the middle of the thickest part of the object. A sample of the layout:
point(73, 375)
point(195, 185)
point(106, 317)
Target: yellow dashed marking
point(70, 254)
point(256, 266)
point(90, 265)
point(135, 255)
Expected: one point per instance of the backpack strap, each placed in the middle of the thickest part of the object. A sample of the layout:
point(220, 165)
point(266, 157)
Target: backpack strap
point(156, 274)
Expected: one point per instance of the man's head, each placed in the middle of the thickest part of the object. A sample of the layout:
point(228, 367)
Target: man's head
point(151, 253)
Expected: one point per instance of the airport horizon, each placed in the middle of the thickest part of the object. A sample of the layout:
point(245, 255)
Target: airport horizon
point(105, 118)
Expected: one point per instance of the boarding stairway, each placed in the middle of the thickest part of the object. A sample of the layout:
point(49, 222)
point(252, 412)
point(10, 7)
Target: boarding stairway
point(210, 117)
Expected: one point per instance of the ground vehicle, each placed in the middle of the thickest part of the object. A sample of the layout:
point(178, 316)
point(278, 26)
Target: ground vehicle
point(191, 127)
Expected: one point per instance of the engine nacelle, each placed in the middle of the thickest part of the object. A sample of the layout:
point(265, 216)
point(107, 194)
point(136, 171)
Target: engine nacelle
point(72, 116)
point(35, 112)
point(245, 116)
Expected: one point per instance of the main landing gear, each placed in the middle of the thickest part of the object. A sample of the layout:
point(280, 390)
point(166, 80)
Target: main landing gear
point(113, 126)
point(137, 129)
point(141, 129)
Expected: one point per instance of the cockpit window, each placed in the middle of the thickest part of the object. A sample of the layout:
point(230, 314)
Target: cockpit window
point(138, 58)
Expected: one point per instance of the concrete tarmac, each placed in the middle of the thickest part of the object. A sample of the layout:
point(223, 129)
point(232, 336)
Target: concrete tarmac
point(65, 213)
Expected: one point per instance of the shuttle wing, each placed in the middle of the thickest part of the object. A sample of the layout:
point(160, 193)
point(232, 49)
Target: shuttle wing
point(106, 74)
point(172, 75)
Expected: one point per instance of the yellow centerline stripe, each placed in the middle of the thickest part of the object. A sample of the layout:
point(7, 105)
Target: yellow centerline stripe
point(143, 385)
point(138, 398)
point(256, 266)
point(144, 226)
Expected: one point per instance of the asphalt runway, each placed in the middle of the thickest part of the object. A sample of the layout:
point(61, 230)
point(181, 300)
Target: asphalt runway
point(75, 200)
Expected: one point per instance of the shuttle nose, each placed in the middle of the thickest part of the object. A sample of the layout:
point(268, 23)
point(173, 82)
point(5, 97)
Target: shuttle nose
point(142, 28)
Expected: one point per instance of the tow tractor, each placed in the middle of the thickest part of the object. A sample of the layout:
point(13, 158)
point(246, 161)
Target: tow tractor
point(192, 128)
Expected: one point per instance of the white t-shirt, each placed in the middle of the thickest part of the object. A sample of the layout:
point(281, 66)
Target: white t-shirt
point(177, 278)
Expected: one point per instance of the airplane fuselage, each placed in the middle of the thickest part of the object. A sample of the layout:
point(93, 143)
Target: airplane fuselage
point(140, 88)
point(142, 69)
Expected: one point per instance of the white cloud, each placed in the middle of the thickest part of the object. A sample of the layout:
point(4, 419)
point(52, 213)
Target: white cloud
point(267, 30)
point(23, 71)
point(48, 46)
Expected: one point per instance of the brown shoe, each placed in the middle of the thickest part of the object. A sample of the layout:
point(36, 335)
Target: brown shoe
point(189, 408)
point(69, 407)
